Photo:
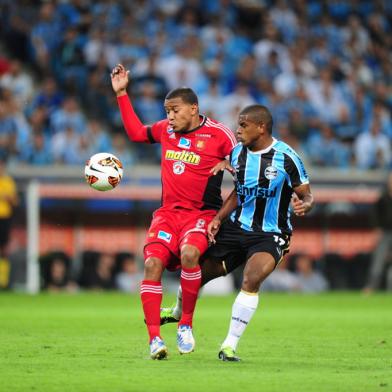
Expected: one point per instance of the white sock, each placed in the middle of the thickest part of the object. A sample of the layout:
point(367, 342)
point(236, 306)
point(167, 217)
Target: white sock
point(177, 311)
point(243, 308)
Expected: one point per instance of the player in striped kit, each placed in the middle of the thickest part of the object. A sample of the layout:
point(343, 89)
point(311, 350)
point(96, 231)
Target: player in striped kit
point(256, 225)
point(192, 146)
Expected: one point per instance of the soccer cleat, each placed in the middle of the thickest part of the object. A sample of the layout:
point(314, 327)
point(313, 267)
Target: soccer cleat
point(167, 316)
point(228, 354)
point(158, 350)
point(185, 340)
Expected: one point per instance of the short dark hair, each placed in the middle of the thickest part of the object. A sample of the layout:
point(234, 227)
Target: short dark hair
point(259, 114)
point(185, 93)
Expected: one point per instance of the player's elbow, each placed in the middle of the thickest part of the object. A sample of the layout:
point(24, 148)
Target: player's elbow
point(135, 135)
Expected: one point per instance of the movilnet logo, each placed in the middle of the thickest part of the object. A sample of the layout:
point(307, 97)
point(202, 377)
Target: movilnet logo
point(184, 143)
point(164, 236)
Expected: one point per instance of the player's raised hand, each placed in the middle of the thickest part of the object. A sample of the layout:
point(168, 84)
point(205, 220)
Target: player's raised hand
point(120, 79)
point(222, 166)
point(213, 229)
point(298, 205)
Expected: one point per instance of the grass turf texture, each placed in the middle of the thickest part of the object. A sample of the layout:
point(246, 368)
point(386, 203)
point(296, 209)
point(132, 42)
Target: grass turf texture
point(98, 342)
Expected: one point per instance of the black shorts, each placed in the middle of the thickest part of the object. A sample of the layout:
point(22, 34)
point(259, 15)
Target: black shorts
point(235, 246)
point(5, 228)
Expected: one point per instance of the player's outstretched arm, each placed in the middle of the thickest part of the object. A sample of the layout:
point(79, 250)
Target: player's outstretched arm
point(136, 130)
point(302, 201)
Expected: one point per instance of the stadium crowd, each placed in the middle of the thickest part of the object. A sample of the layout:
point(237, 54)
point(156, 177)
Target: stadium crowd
point(323, 68)
point(122, 271)
point(94, 271)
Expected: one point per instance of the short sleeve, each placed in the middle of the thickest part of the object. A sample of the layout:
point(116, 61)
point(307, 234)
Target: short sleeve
point(295, 168)
point(154, 132)
point(228, 141)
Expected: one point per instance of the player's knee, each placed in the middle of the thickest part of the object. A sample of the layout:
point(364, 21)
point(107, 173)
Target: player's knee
point(189, 256)
point(153, 269)
point(251, 284)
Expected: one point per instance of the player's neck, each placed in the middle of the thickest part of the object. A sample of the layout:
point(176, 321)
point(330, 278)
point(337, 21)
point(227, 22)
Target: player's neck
point(263, 144)
point(196, 123)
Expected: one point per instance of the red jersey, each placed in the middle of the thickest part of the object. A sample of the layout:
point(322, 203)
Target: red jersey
point(187, 158)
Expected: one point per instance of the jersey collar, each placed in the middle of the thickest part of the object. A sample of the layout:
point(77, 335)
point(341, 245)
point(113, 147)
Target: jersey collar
point(265, 150)
point(202, 122)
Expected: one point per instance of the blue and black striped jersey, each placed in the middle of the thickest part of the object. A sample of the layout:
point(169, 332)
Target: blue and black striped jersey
point(264, 182)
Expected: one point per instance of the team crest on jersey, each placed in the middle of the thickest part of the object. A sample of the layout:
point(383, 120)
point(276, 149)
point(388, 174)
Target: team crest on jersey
point(164, 236)
point(200, 144)
point(184, 143)
point(170, 131)
point(271, 172)
point(178, 167)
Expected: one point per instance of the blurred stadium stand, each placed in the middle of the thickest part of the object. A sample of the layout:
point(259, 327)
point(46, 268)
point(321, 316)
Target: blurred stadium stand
point(324, 68)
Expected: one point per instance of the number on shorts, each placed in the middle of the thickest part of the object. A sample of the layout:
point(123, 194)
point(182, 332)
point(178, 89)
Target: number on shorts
point(279, 240)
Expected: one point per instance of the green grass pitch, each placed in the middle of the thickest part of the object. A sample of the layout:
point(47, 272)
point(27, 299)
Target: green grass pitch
point(98, 342)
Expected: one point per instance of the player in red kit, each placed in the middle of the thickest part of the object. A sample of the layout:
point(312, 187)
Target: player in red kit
point(192, 146)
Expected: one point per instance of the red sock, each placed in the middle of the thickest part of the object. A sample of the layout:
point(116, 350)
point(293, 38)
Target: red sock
point(151, 295)
point(190, 285)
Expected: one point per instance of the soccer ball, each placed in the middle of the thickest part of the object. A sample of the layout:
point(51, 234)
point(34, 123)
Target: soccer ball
point(103, 171)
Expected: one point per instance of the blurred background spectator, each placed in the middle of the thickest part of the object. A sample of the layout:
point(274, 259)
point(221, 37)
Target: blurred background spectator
point(98, 271)
point(56, 273)
point(8, 201)
point(282, 279)
point(309, 279)
point(297, 273)
point(128, 276)
point(324, 70)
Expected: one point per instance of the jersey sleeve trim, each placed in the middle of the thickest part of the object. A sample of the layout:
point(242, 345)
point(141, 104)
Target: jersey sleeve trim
point(150, 136)
point(303, 177)
point(225, 130)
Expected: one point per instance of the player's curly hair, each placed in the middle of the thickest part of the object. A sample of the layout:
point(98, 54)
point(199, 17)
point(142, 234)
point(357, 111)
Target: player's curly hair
point(185, 93)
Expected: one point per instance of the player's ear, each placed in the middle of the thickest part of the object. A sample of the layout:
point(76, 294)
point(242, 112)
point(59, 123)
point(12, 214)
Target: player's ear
point(195, 108)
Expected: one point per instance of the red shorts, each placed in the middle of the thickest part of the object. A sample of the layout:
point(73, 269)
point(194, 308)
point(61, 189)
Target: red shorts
point(175, 228)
